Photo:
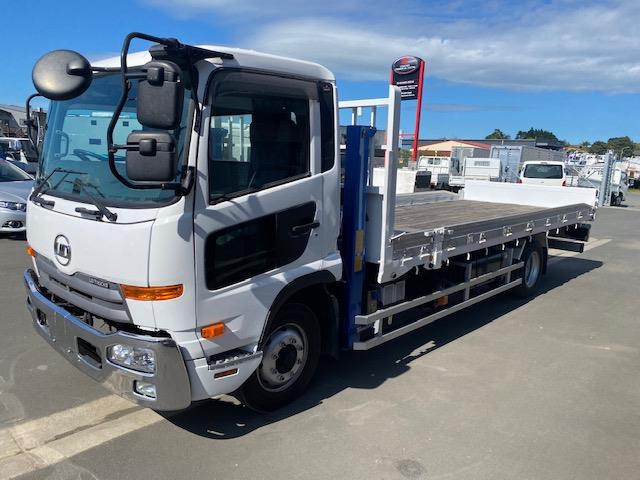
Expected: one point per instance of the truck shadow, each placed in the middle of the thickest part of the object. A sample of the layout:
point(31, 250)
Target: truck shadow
point(227, 419)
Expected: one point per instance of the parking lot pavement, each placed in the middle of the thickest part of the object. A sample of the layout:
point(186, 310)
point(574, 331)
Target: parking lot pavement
point(538, 389)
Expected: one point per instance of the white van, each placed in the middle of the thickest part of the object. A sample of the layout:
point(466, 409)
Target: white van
point(543, 173)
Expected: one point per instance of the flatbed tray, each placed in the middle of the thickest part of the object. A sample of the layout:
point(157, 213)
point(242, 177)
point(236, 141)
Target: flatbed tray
point(441, 230)
point(431, 216)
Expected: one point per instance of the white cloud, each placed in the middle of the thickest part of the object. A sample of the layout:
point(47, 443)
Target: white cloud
point(564, 45)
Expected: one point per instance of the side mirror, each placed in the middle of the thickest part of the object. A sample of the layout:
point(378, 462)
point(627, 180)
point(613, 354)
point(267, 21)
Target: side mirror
point(154, 159)
point(62, 75)
point(160, 96)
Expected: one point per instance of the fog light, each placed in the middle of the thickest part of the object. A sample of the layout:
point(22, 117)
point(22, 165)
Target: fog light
point(145, 389)
point(135, 358)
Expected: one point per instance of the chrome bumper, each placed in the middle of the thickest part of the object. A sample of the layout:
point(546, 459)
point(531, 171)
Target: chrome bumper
point(86, 348)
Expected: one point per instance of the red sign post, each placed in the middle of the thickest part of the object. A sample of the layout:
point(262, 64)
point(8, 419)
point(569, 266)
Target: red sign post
point(408, 73)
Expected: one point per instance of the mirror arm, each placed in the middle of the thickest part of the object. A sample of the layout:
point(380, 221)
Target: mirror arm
point(30, 123)
point(126, 85)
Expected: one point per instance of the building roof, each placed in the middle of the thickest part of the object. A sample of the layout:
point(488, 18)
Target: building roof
point(13, 109)
point(447, 145)
point(541, 143)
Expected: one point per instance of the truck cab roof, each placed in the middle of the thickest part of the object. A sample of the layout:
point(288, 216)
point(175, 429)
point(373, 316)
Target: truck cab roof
point(241, 59)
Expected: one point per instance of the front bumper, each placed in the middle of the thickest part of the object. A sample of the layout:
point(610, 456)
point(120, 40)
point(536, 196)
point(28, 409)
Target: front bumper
point(12, 221)
point(86, 348)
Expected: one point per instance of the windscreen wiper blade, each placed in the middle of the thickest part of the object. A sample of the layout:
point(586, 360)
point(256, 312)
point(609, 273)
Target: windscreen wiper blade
point(103, 211)
point(40, 188)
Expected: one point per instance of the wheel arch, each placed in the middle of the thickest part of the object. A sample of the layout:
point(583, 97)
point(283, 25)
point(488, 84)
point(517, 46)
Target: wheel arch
point(311, 290)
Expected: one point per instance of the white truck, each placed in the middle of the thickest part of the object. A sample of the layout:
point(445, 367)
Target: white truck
point(592, 176)
point(513, 157)
point(543, 173)
point(209, 247)
point(484, 168)
point(439, 167)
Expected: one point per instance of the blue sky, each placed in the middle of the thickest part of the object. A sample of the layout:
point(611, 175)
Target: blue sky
point(569, 66)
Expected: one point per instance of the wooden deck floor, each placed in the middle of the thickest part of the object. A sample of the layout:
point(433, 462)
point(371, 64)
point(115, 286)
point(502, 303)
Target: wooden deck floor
point(429, 216)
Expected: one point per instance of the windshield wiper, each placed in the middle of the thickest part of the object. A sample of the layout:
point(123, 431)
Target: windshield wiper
point(102, 211)
point(40, 187)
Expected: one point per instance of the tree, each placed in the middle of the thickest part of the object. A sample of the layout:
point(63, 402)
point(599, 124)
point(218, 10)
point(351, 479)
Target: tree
point(405, 157)
point(598, 147)
point(498, 134)
point(585, 144)
point(536, 134)
point(621, 145)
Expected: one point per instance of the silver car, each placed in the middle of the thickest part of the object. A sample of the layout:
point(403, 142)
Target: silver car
point(15, 186)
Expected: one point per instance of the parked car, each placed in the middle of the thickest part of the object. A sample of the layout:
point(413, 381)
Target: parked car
point(15, 185)
point(30, 167)
point(543, 173)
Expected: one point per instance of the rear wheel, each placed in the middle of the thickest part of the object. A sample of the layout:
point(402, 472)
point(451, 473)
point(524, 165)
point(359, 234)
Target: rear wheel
point(290, 356)
point(533, 258)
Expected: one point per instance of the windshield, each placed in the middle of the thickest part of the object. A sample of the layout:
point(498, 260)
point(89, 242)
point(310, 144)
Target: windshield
point(75, 146)
point(543, 171)
point(10, 173)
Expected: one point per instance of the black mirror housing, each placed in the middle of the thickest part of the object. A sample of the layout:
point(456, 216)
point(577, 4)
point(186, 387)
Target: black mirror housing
point(62, 75)
point(154, 159)
point(160, 96)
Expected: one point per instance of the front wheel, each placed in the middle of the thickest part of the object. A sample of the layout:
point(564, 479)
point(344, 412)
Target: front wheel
point(291, 350)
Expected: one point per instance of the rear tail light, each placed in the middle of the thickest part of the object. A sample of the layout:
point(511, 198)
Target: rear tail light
point(519, 180)
point(564, 183)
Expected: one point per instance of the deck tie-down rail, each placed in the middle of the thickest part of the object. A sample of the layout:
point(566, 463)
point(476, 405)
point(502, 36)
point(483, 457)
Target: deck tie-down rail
point(414, 249)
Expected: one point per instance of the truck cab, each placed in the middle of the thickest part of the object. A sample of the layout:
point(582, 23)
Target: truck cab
point(165, 274)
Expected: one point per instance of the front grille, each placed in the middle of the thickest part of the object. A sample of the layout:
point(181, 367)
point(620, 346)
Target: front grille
point(96, 296)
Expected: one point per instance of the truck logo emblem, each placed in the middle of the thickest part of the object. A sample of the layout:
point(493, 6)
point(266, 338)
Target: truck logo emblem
point(62, 250)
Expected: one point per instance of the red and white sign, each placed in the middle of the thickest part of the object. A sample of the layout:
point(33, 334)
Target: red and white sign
point(407, 73)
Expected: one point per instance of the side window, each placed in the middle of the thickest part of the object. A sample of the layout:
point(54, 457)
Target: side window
point(259, 133)
point(327, 142)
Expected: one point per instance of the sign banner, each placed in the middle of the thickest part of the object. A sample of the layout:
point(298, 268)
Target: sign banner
point(406, 73)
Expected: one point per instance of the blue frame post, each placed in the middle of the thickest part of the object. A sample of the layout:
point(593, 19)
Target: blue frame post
point(354, 211)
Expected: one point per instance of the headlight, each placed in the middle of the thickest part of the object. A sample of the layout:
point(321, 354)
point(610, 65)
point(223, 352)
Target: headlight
point(134, 358)
point(14, 205)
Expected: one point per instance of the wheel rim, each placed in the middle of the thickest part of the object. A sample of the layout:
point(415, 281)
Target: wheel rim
point(283, 359)
point(532, 269)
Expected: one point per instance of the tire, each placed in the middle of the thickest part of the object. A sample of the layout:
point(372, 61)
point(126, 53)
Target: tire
point(291, 349)
point(533, 258)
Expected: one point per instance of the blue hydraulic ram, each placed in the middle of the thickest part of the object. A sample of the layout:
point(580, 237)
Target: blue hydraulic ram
point(354, 211)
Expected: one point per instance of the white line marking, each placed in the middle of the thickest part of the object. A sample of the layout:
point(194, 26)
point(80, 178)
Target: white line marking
point(40, 431)
point(557, 257)
point(61, 449)
point(622, 209)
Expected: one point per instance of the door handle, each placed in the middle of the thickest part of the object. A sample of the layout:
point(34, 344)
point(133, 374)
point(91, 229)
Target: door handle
point(298, 229)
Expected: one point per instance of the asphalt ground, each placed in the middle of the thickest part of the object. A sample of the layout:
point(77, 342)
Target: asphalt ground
point(541, 389)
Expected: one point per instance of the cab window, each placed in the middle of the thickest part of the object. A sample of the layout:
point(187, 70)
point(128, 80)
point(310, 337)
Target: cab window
point(259, 133)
